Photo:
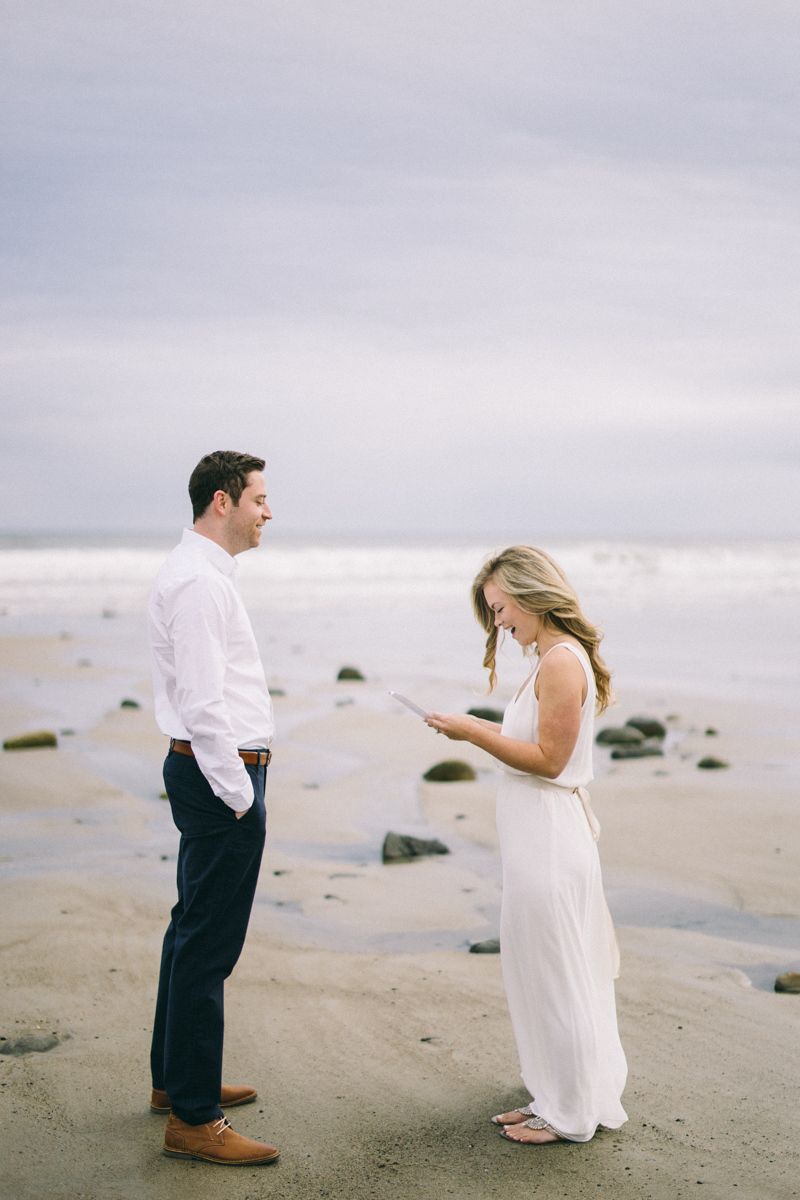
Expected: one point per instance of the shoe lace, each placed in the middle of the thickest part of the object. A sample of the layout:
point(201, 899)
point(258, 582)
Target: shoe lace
point(220, 1125)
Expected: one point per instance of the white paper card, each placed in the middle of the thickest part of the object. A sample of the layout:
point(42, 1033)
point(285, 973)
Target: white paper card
point(415, 708)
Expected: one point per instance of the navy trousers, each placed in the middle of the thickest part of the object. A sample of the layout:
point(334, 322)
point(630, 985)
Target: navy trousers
point(218, 864)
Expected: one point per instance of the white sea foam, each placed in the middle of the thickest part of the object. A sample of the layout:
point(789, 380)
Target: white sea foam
point(712, 618)
point(84, 579)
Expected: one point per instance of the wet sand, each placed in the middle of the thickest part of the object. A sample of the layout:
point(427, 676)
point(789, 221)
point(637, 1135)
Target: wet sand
point(379, 1047)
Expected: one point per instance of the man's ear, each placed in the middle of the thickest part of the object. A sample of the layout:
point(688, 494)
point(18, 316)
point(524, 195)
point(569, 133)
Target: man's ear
point(221, 502)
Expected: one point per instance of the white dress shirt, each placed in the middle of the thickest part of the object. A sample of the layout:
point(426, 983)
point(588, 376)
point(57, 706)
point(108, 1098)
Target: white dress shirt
point(209, 682)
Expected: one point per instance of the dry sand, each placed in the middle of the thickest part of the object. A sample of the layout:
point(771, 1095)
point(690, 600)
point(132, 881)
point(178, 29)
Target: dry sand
point(377, 1072)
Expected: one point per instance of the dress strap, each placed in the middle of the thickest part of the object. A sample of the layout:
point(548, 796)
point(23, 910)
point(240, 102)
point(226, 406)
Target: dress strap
point(579, 654)
point(582, 658)
point(552, 648)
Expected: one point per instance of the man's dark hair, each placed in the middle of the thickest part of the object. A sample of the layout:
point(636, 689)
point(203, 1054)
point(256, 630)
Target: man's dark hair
point(222, 471)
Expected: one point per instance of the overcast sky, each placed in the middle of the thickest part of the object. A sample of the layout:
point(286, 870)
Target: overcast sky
point(449, 265)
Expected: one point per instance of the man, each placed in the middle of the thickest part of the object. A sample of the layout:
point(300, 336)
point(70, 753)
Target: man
point(212, 700)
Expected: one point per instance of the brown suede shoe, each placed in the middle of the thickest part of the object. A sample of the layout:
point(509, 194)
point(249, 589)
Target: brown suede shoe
point(230, 1097)
point(215, 1142)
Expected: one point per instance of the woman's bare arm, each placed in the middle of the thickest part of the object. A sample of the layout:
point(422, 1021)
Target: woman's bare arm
point(561, 685)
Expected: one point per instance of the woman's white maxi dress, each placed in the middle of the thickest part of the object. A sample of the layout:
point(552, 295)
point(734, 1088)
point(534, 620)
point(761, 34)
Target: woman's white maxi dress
point(557, 943)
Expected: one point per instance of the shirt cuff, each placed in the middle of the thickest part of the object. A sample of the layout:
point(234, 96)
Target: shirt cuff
point(242, 801)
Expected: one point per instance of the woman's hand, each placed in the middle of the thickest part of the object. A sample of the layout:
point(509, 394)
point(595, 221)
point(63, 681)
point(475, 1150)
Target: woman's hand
point(561, 687)
point(455, 726)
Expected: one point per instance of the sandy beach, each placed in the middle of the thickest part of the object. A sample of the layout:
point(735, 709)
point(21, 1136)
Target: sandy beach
point(379, 1047)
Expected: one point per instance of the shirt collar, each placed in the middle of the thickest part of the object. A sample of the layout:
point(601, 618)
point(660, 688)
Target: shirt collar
point(220, 558)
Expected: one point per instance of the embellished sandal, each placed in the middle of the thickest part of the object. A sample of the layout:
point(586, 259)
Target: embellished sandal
point(526, 1111)
point(536, 1123)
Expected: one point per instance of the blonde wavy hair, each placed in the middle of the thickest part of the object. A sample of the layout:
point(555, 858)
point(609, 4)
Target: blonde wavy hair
point(538, 585)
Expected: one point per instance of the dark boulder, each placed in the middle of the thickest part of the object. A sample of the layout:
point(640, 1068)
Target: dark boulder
point(789, 982)
point(622, 735)
point(490, 946)
point(29, 741)
point(643, 750)
point(39, 1042)
point(649, 726)
point(449, 771)
point(399, 847)
point(487, 714)
point(712, 764)
point(350, 673)
point(130, 704)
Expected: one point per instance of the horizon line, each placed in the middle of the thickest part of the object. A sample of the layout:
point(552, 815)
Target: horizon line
point(10, 536)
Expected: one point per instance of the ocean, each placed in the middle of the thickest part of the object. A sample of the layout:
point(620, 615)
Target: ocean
point(709, 618)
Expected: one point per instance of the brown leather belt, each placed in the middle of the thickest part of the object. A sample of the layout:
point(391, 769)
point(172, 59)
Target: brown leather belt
point(255, 758)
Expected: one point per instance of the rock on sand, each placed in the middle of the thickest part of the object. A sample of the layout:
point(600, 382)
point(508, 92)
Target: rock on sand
point(647, 749)
point(29, 741)
point(490, 946)
point(350, 673)
point(39, 1042)
point(399, 847)
point(622, 735)
point(649, 726)
point(487, 714)
point(449, 771)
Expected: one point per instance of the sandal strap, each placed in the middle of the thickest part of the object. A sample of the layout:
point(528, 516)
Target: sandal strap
point(540, 1123)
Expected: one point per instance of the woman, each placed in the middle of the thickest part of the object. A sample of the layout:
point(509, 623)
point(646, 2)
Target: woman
point(559, 953)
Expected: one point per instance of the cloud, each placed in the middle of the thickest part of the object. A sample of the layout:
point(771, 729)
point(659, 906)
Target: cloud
point(424, 254)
